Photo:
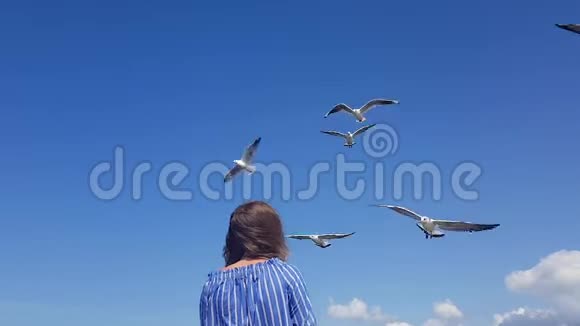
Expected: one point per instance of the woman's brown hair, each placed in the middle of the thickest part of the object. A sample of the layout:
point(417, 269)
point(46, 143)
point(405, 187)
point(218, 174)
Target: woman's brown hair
point(255, 232)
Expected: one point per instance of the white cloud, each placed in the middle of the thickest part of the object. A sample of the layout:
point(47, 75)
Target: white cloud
point(398, 323)
point(447, 310)
point(555, 278)
point(446, 313)
point(356, 309)
point(434, 322)
point(529, 317)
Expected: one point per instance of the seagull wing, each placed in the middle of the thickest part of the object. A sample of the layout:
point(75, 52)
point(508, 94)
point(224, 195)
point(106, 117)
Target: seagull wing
point(570, 27)
point(299, 236)
point(251, 151)
point(372, 103)
point(463, 226)
point(363, 129)
point(339, 107)
point(334, 133)
point(403, 211)
point(334, 236)
point(232, 173)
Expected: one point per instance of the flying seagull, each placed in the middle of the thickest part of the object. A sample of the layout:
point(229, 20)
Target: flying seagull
point(570, 27)
point(434, 228)
point(349, 137)
point(245, 163)
point(321, 240)
point(359, 113)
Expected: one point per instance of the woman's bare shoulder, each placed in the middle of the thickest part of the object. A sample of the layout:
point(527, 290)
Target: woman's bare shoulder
point(243, 263)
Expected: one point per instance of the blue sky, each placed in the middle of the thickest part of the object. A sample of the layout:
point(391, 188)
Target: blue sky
point(493, 82)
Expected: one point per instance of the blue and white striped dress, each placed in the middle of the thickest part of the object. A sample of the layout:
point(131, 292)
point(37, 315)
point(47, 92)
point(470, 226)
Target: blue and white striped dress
point(270, 293)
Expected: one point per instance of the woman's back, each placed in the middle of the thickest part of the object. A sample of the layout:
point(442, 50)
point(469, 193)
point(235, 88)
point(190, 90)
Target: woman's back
point(267, 293)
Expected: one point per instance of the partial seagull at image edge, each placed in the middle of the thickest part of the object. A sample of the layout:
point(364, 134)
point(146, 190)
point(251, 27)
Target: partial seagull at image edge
point(574, 28)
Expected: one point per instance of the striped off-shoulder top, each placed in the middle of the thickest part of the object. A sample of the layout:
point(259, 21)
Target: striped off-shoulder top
point(270, 293)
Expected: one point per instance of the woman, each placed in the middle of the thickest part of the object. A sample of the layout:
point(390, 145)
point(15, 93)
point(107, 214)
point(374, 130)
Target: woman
point(257, 286)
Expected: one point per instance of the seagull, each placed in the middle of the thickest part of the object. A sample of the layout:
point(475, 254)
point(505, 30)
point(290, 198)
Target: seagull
point(349, 137)
point(433, 228)
point(358, 113)
point(245, 163)
point(570, 27)
point(321, 240)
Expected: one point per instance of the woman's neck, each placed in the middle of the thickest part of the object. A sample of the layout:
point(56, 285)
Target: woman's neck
point(245, 262)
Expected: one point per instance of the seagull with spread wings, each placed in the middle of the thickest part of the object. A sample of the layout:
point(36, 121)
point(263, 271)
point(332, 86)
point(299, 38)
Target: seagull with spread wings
point(245, 163)
point(434, 228)
point(349, 137)
point(359, 113)
point(575, 28)
point(321, 240)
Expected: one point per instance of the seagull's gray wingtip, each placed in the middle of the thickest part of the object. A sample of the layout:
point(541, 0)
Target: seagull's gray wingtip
point(381, 205)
